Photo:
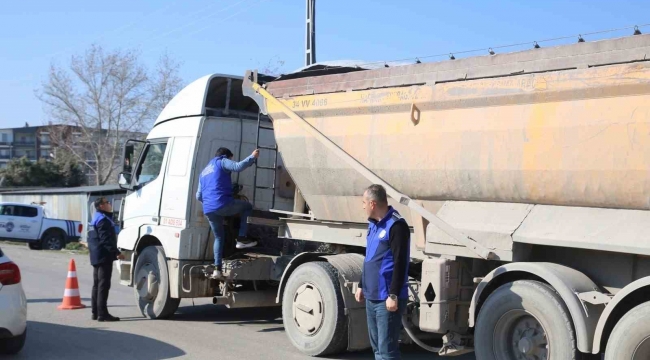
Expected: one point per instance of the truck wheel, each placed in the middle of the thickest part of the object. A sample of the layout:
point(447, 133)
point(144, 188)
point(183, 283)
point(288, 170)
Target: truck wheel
point(313, 310)
point(524, 320)
point(630, 339)
point(151, 281)
point(13, 345)
point(52, 240)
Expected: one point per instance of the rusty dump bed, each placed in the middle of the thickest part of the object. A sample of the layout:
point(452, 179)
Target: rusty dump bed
point(568, 125)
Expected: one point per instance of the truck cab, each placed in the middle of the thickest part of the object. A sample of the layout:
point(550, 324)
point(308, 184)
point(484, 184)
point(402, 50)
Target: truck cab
point(164, 233)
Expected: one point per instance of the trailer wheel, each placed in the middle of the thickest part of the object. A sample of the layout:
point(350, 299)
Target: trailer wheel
point(313, 310)
point(524, 320)
point(630, 339)
point(151, 280)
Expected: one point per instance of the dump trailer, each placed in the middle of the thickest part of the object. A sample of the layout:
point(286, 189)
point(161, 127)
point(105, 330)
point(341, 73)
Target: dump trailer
point(524, 178)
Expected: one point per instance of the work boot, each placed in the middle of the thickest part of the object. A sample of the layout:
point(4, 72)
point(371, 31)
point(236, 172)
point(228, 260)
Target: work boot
point(94, 317)
point(245, 243)
point(108, 318)
point(217, 274)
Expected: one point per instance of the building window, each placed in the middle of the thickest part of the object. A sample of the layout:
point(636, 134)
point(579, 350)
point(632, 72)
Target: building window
point(5, 137)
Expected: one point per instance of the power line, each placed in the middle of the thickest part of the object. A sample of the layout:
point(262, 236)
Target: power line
point(211, 24)
point(188, 24)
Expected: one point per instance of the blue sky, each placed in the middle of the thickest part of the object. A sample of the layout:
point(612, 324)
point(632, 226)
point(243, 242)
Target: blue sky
point(230, 36)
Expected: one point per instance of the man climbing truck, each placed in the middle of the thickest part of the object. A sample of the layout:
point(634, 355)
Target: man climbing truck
point(524, 177)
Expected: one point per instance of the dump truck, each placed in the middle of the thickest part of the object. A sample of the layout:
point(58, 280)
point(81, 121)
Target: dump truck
point(524, 178)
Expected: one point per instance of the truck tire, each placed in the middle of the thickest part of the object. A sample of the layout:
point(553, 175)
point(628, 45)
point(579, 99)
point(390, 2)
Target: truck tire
point(313, 310)
point(525, 320)
point(151, 284)
point(13, 345)
point(53, 240)
point(630, 339)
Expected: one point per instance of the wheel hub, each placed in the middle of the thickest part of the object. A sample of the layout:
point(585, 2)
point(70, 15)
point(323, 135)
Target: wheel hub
point(53, 243)
point(308, 309)
point(519, 335)
point(147, 284)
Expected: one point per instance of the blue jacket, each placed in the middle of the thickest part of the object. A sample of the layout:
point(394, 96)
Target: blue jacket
point(215, 183)
point(102, 240)
point(385, 268)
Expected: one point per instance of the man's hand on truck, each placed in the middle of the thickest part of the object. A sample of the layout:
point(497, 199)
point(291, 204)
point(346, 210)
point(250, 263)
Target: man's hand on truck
point(256, 153)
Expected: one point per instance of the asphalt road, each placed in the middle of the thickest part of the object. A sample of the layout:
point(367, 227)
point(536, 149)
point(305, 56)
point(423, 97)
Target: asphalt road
point(197, 331)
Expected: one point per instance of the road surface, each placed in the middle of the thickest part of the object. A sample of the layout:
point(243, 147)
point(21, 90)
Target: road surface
point(197, 331)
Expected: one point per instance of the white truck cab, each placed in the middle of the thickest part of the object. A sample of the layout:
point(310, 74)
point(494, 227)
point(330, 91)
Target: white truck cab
point(164, 233)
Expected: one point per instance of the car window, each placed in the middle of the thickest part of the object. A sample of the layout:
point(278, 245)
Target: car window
point(26, 211)
point(149, 168)
point(7, 210)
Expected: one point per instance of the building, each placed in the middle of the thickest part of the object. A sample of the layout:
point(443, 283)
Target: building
point(68, 203)
point(38, 142)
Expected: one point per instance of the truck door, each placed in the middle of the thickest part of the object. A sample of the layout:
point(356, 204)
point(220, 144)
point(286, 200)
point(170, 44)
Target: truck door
point(30, 222)
point(16, 221)
point(143, 204)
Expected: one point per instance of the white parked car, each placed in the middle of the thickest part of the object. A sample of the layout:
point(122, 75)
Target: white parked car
point(29, 223)
point(13, 308)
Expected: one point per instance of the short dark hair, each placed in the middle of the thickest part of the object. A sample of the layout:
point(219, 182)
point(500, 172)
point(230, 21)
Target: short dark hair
point(377, 193)
point(224, 151)
point(99, 201)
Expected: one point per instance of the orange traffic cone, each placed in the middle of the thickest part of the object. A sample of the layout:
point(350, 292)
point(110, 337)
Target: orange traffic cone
point(71, 298)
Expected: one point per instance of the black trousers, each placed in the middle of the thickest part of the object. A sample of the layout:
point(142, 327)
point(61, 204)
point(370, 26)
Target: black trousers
point(101, 284)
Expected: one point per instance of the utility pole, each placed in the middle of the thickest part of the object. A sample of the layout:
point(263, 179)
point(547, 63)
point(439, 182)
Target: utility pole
point(299, 203)
point(310, 39)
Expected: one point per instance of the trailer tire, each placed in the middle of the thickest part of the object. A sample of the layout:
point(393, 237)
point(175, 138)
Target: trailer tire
point(525, 317)
point(313, 311)
point(151, 284)
point(630, 339)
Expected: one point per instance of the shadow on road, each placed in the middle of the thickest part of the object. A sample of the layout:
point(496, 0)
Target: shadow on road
point(223, 315)
point(51, 341)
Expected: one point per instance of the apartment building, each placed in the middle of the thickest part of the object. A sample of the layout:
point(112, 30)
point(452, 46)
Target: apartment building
point(36, 142)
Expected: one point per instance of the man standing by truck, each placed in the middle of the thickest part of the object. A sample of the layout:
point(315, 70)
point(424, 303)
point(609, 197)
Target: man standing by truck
point(102, 244)
point(384, 280)
point(215, 193)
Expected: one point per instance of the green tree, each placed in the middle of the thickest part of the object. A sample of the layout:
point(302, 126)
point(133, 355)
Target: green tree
point(64, 171)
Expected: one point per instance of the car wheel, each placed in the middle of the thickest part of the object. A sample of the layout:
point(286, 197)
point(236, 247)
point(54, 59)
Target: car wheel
point(52, 240)
point(13, 345)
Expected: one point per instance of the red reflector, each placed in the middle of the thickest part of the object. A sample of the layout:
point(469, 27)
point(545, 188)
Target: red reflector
point(81, 227)
point(9, 274)
point(177, 235)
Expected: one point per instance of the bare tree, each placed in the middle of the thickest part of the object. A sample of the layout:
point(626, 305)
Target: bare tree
point(103, 98)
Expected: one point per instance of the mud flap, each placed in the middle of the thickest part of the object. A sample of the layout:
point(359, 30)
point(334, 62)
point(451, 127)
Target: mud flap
point(358, 338)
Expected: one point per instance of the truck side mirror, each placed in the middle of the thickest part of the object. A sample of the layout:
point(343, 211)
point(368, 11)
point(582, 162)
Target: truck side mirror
point(124, 180)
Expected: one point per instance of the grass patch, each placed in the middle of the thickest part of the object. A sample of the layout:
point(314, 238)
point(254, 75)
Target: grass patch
point(76, 247)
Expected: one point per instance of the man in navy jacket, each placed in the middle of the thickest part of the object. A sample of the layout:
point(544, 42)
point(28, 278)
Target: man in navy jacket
point(384, 279)
point(215, 192)
point(102, 244)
